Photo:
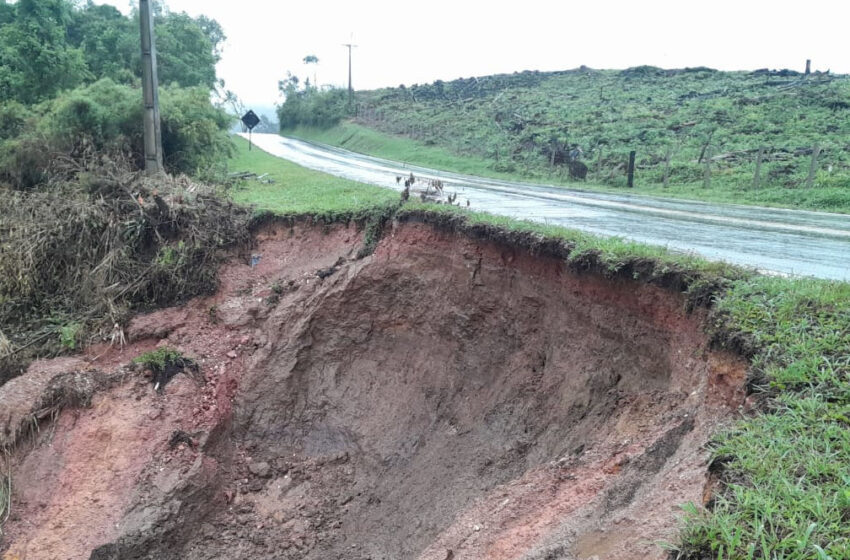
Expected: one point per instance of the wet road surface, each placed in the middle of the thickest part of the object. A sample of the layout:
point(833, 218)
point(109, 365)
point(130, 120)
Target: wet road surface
point(772, 240)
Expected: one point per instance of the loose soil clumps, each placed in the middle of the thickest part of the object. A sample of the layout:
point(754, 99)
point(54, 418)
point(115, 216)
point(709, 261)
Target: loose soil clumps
point(444, 397)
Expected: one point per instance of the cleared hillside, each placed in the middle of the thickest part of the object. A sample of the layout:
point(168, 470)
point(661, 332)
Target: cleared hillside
point(704, 129)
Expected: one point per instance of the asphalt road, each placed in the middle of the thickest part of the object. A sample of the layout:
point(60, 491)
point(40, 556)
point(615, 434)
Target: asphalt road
point(771, 240)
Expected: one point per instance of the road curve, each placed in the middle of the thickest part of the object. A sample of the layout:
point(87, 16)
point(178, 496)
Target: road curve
point(773, 240)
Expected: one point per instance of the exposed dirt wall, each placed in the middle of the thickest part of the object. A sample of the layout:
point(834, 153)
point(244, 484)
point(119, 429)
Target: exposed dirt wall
point(442, 398)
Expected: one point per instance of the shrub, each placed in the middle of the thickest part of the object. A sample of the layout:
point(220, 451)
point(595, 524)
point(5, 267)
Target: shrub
point(311, 107)
point(107, 116)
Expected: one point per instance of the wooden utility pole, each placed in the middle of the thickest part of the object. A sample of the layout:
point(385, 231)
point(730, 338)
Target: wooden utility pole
point(813, 166)
point(631, 179)
point(757, 176)
point(150, 93)
point(350, 89)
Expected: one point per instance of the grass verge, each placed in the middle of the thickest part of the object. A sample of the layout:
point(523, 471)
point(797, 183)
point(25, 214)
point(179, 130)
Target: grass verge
point(364, 140)
point(783, 472)
point(299, 191)
point(361, 139)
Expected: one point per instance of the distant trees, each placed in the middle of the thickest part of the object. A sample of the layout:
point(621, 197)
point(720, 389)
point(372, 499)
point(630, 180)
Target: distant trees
point(314, 60)
point(305, 105)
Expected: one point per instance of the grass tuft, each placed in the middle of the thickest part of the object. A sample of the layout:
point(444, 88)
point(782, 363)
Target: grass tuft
point(785, 475)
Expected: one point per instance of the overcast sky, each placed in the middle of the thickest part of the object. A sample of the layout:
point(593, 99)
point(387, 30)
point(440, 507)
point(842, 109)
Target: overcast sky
point(417, 42)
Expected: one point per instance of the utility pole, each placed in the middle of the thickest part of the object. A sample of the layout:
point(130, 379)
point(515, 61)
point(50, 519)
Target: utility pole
point(350, 89)
point(150, 93)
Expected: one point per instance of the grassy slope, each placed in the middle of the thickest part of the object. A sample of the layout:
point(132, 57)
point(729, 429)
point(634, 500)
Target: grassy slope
point(364, 140)
point(507, 125)
point(785, 472)
point(297, 190)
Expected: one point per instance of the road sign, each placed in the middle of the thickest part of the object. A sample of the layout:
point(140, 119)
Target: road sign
point(251, 120)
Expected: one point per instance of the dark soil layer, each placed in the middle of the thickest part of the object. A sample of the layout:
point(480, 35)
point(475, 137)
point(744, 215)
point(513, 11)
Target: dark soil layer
point(444, 397)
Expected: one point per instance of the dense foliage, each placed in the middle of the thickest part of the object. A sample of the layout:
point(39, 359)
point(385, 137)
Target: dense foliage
point(106, 116)
point(310, 106)
point(47, 46)
point(70, 77)
point(533, 124)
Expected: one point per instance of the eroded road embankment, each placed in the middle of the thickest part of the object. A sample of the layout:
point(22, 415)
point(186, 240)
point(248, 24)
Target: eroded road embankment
point(442, 398)
point(775, 240)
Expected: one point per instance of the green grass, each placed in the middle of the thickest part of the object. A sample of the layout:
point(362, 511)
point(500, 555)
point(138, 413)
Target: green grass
point(361, 139)
point(364, 140)
point(162, 358)
point(784, 471)
point(300, 191)
point(611, 253)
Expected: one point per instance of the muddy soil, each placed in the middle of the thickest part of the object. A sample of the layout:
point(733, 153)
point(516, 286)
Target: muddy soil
point(442, 398)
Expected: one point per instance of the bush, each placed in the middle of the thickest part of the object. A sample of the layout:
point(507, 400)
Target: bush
point(311, 107)
point(12, 119)
point(106, 116)
point(195, 137)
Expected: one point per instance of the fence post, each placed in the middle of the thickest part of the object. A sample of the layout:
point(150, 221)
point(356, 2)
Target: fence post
point(813, 166)
point(757, 176)
point(599, 166)
point(631, 179)
point(667, 166)
point(706, 182)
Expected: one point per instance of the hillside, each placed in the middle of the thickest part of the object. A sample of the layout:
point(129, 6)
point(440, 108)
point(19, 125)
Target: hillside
point(539, 125)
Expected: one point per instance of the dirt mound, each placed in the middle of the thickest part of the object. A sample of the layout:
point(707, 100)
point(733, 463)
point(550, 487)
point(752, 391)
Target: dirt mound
point(442, 398)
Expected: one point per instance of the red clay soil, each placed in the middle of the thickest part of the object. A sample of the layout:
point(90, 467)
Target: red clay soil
point(442, 398)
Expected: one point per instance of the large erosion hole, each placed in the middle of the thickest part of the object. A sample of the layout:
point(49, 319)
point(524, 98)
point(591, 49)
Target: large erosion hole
point(444, 372)
point(443, 398)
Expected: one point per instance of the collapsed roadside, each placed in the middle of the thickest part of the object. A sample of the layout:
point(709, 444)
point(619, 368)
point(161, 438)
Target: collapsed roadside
point(794, 333)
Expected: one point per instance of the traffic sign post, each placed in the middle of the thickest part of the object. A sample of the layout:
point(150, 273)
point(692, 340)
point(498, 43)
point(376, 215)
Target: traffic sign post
point(250, 119)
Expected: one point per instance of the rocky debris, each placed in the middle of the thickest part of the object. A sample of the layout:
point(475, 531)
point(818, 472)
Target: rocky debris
point(325, 272)
point(261, 469)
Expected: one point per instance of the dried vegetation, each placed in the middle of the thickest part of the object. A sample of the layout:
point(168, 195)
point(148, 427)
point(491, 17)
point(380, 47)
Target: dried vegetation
point(96, 241)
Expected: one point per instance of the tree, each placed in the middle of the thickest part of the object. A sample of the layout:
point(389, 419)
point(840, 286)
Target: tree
point(109, 41)
point(186, 54)
point(314, 60)
point(36, 61)
point(7, 12)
